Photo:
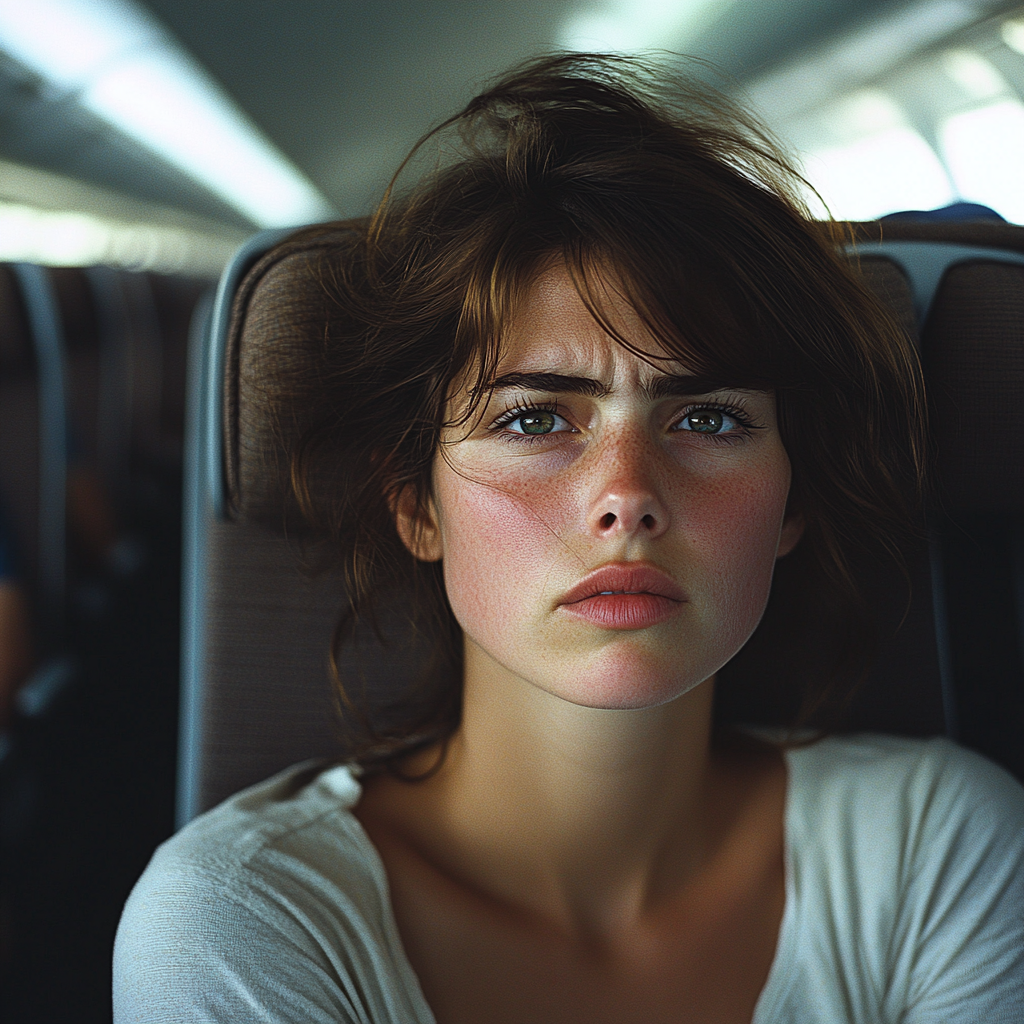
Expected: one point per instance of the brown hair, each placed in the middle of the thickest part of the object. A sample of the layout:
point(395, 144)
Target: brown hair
point(609, 161)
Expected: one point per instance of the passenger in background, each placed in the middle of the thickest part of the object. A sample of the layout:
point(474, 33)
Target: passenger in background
point(15, 632)
point(91, 521)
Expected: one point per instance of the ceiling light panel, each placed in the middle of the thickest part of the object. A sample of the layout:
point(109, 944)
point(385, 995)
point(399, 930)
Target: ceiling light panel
point(984, 150)
point(1012, 32)
point(123, 66)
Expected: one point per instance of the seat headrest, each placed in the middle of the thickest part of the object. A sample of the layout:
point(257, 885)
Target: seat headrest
point(973, 345)
point(972, 348)
point(279, 323)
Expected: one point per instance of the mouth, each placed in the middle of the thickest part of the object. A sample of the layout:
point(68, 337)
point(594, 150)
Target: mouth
point(624, 579)
point(626, 595)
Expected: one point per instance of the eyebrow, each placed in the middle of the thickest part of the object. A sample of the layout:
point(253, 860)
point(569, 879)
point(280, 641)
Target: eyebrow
point(662, 385)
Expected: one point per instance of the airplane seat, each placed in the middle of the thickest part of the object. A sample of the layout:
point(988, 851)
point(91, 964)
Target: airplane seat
point(33, 440)
point(968, 282)
point(95, 385)
point(173, 299)
point(19, 428)
point(256, 626)
point(256, 630)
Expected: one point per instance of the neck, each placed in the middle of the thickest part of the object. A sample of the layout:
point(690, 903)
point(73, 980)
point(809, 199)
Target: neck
point(581, 814)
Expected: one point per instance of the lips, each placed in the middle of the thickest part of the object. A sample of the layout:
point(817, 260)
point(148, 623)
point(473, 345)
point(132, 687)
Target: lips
point(624, 578)
point(624, 596)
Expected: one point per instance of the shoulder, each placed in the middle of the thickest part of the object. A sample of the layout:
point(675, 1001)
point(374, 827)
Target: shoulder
point(290, 821)
point(903, 813)
point(907, 864)
point(275, 899)
point(910, 789)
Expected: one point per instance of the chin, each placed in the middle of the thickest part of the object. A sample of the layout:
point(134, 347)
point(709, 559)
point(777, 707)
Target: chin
point(628, 687)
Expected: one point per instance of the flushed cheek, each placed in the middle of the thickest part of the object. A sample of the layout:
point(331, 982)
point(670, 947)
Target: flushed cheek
point(501, 538)
point(504, 535)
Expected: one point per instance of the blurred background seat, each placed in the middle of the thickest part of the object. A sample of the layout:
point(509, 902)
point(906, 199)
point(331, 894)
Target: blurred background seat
point(91, 398)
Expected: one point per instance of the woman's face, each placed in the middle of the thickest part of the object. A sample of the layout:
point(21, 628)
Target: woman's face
point(607, 535)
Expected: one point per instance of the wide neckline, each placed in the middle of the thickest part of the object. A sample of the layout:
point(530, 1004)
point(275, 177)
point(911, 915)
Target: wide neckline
point(780, 974)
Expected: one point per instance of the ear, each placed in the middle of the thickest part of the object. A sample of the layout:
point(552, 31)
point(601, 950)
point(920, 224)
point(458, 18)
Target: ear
point(417, 528)
point(792, 531)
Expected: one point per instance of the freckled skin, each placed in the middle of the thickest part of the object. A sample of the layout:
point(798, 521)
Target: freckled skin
point(520, 521)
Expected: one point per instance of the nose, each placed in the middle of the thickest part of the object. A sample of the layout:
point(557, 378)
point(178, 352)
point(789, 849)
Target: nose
point(628, 502)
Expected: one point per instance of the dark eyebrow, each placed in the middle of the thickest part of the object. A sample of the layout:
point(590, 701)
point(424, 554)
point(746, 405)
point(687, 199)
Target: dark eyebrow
point(663, 385)
point(554, 382)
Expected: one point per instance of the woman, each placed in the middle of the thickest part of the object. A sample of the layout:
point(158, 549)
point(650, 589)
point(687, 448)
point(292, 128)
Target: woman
point(586, 385)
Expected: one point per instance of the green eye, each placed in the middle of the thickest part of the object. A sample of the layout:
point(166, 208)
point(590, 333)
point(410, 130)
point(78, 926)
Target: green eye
point(540, 422)
point(706, 421)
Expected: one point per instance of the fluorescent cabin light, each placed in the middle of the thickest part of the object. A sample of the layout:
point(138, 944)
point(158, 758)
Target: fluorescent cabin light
point(984, 150)
point(626, 26)
point(859, 57)
point(890, 170)
point(126, 69)
point(54, 238)
point(975, 75)
point(1013, 34)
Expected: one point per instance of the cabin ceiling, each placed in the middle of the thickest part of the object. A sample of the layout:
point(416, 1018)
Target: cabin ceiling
point(343, 88)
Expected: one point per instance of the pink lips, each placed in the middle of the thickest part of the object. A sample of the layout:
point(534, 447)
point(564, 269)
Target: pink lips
point(624, 595)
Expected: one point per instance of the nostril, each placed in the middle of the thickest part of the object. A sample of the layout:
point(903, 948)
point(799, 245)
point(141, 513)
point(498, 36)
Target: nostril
point(607, 520)
point(648, 521)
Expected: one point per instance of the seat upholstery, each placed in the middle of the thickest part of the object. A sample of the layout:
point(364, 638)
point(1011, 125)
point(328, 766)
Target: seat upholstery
point(975, 360)
point(257, 627)
point(19, 424)
point(33, 436)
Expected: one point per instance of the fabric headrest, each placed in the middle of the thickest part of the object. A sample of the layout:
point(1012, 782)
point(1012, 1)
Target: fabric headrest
point(972, 347)
point(279, 322)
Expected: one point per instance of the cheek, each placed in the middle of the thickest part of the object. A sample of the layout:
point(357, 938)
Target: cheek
point(501, 536)
point(732, 526)
point(504, 533)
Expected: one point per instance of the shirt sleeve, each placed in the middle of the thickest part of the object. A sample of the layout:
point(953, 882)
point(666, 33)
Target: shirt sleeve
point(959, 944)
point(192, 947)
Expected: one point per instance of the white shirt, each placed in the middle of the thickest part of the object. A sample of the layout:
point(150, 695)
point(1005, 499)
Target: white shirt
point(904, 901)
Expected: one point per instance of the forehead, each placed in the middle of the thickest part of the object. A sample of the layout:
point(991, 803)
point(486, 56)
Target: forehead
point(552, 329)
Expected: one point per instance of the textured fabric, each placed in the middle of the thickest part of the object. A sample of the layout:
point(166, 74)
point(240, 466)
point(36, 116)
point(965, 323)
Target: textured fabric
point(888, 282)
point(974, 363)
point(904, 901)
point(905, 888)
point(267, 699)
point(281, 317)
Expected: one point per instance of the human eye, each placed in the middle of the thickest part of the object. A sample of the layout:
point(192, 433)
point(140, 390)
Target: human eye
point(720, 422)
point(525, 422)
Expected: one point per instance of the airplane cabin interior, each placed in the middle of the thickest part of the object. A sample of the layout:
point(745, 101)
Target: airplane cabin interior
point(160, 646)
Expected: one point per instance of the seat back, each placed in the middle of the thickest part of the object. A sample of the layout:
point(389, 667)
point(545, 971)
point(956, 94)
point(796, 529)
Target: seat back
point(254, 628)
point(256, 631)
point(33, 438)
point(971, 307)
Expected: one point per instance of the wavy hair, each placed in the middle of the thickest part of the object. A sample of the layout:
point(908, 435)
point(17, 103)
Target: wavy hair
point(600, 162)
